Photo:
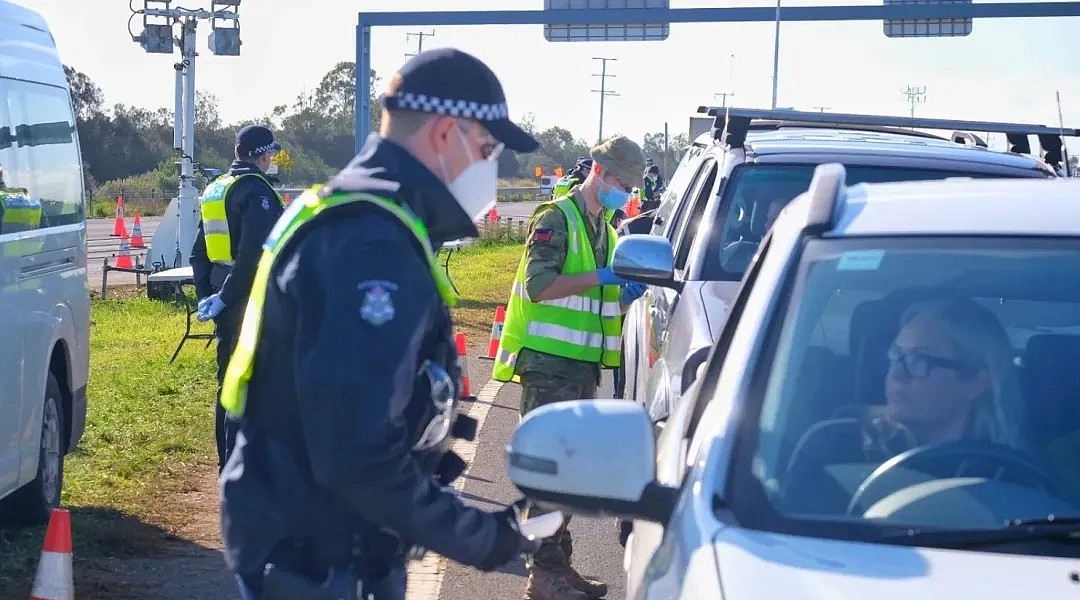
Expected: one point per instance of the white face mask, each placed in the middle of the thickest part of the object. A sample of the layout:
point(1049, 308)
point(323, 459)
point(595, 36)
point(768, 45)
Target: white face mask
point(475, 189)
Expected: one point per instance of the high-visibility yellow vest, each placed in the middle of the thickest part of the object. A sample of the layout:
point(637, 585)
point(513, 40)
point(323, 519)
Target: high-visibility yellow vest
point(563, 186)
point(20, 212)
point(215, 219)
point(301, 211)
point(586, 326)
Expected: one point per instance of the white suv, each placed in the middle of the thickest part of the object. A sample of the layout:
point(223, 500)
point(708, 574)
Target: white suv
point(892, 413)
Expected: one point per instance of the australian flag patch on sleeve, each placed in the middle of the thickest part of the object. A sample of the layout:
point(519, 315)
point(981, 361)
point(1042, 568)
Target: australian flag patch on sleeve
point(542, 234)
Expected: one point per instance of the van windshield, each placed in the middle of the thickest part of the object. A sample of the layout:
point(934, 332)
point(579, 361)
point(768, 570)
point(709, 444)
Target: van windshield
point(756, 195)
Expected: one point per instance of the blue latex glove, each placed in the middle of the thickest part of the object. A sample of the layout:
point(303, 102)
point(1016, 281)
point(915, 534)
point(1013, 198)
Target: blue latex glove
point(210, 307)
point(608, 277)
point(632, 291)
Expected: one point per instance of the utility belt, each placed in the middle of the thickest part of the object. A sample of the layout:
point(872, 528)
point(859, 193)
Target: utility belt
point(333, 567)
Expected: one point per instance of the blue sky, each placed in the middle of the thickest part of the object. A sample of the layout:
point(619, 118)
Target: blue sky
point(1007, 69)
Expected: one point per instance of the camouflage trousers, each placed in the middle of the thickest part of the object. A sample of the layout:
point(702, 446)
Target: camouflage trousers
point(539, 389)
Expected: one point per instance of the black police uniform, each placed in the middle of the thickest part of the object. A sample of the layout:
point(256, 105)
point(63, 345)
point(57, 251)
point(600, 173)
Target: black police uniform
point(322, 473)
point(252, 209)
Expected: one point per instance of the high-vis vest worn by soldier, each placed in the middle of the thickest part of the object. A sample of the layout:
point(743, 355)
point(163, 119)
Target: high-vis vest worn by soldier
point(216, 221)
point(586, 326)
point(563, 186)
point(20, 212)
point(301, 211)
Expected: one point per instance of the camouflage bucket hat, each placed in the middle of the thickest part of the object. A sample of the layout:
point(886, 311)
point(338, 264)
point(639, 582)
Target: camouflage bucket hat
point(622, 158)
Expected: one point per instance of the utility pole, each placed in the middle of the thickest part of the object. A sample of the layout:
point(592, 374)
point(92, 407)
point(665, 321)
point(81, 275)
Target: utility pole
point(419, 35)
point(603, 91)
point(724, 95)
point(915, 96)
point(159, 37)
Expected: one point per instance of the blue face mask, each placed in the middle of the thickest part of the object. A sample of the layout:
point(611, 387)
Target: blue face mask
point(611, 197)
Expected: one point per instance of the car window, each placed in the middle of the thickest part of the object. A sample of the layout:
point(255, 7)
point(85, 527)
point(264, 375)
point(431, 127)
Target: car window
point(684, 195)
point(919, 383)
point(690, 220)
point(39, 158)
point(757, 193)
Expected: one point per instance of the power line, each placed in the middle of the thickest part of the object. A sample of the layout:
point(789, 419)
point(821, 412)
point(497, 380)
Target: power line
point(915, 96)
point(603, 91)
point(420, 35)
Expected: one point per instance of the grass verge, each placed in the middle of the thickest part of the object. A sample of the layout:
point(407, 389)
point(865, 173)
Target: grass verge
point(149, 436)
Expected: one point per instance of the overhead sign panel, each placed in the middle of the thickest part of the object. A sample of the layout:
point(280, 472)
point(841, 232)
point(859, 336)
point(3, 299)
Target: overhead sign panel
point(908, 28)
point(601, 31)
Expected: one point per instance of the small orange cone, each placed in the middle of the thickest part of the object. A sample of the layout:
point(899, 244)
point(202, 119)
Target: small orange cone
point(118, 222)
point(463, 363)
point(53, 580)
point(123, 261)
point(496, 333)
point(493, 215)
point(288, 199)
point(136, 233)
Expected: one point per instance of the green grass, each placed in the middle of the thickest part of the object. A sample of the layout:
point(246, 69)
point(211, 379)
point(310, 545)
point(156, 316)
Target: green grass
point(483, 274)
point(149, 434)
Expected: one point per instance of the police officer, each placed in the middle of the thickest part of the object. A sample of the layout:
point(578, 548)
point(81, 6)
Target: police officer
point(564, 321)
point(346, 378)
point(238, 211)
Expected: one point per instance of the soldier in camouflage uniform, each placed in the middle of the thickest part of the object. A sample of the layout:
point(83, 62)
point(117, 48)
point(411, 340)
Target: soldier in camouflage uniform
point(546, 377)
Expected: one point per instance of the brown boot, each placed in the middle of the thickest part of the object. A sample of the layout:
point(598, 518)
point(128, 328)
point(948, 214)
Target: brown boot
point(593, 588)
point(549, 585)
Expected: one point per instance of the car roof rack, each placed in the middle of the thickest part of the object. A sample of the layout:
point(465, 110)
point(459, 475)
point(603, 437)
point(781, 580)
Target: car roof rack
point(731, 125)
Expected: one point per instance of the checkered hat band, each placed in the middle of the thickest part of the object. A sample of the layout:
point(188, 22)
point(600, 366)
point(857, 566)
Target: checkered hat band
point(262, 149)
point(465, 109)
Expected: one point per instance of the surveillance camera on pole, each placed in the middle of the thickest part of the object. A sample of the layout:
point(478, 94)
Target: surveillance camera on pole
point(176, 233)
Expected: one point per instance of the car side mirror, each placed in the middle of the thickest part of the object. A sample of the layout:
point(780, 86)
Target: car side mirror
point(647, 259)
point(563, 456)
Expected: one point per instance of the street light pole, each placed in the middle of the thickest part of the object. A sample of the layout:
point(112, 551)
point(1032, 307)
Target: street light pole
point(776, 56)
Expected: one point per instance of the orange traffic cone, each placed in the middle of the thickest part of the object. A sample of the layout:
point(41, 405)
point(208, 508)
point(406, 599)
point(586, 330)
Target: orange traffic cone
point(53, 580)
point(463, 363)
point(288, 199)
point(493, 215)
point(123, 261)
point(118, 222)
point(136, 233)
point(496, 333)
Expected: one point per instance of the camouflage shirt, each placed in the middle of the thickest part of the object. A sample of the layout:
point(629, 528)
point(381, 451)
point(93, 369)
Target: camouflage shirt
point(545, 254)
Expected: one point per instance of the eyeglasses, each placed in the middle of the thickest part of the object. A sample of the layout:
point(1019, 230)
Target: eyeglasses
point(490, 148)
point(917, 365)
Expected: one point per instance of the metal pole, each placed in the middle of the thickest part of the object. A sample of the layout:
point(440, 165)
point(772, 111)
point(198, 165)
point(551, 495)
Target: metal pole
point(603, 92)
point(665, 149)
point(187, 199)
point(178, 108)
point(776, 56)
point(1064, 148)
point(363, 85)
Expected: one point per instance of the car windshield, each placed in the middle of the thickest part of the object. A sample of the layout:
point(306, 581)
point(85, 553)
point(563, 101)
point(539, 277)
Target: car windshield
point(921, 383)
point(758, 192)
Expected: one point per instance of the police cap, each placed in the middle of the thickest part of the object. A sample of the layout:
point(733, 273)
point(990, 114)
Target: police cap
point(447, 81)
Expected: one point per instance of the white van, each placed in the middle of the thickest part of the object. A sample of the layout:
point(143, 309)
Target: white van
point(44, 292)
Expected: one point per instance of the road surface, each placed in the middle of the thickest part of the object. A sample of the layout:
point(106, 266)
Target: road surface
point(101, 244)
point(597, 552)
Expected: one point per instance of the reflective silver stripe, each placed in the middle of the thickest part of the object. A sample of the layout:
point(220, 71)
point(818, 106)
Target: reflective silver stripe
point(572, 230)
point(507, 357)
point(576, 302)
point(613, 343)
point(567, 335)
point(215, 226)
point(519, 290)
point(227, 263)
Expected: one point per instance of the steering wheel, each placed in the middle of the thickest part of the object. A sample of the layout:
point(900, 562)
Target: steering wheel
point(1000, 460)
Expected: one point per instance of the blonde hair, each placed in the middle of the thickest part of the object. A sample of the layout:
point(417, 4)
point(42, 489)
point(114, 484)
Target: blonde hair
point(981, 341)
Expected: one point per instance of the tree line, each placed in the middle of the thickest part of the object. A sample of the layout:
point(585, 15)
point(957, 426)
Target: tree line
point(131, 148)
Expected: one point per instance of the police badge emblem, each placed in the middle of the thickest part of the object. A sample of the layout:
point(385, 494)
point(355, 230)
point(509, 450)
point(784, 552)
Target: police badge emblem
point(378, 308)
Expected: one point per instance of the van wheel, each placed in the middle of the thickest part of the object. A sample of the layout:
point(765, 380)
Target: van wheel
point(33, 503)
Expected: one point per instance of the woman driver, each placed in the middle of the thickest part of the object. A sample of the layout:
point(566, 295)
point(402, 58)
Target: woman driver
point(951, 377)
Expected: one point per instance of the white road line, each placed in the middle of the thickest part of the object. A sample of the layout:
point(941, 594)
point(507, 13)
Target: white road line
point(425, 576)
